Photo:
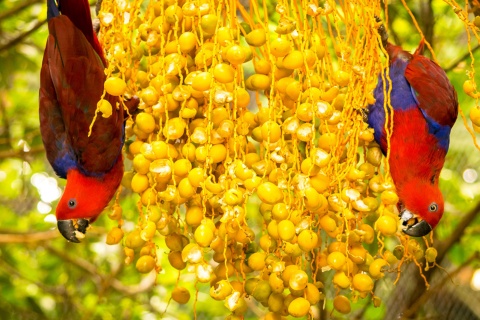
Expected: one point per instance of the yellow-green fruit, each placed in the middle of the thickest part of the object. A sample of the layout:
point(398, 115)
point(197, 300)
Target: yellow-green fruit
point(262, 291)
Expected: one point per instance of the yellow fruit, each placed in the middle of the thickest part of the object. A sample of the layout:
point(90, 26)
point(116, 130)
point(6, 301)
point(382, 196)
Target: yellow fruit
point(342, 304)
point(271, 131)
point(312, 294)
point(139, 183)
point(194, 216)
point(389, 197)
point(341, 280)
point(145, 264)
point(236, 54)
point(387, 225)
point(293, 60)
point(180, 295)
point(286, 230)
point(202, 81)
point(362, 282)
point(115, 86)
point(256, 38)
point(182, 167)
point(145, 122)
point(469, 87)
point(204, 235)
point(307, 240)
point(133, 240)
point(376, 268)
point(114, 236)
point(336, 260)
point(105, 107)
point(280, 47)
point(257, 261)
point(223, 73)
point(196, 176)
point(187, 42)
point(299, 307)
point(342, 78)
point(475, 115)
point(269, 193)
point(217, 153)
point(298, 280)
point(431, 254)
point(175, 260)
point(208, 23)
point(259, 81)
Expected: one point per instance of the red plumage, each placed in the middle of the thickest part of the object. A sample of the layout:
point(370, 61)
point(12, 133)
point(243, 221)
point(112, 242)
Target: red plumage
point(71, 84)
point(425, 108)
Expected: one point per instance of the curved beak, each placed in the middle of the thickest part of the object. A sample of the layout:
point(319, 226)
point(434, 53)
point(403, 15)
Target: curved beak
point(73, 230)
point(418, 229)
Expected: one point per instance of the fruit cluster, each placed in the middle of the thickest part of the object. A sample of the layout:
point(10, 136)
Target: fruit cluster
point(250, 153)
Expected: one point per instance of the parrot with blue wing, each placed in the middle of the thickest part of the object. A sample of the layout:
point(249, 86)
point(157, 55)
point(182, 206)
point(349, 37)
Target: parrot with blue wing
point(71, 84)
point(425, 108)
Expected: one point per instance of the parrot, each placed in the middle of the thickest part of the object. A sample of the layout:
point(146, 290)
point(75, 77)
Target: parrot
point(71, 84)
point(425, 108)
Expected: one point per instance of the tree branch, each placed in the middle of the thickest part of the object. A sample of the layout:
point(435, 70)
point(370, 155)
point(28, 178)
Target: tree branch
point(427, 294)
point(445, 245)
point(22, 36)
point(462, 58)
point(144, 285)
point(28, 237)
point(16, 10)
point(20, 153)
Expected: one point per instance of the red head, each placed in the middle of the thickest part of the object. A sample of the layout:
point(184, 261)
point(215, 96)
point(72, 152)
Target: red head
point(85, 198)
point(424, 201)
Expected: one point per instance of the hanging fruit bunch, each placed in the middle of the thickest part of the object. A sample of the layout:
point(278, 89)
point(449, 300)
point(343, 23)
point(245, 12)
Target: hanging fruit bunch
point(250, 153)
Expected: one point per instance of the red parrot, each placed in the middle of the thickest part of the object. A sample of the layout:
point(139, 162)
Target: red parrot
point(71, 84)
point(425, 108)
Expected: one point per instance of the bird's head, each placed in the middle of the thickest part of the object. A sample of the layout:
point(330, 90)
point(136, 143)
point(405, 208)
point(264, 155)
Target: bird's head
point(84, 199)
point(421, 207)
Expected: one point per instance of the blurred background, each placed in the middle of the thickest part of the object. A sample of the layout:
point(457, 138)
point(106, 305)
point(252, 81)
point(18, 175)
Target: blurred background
point(44, 277)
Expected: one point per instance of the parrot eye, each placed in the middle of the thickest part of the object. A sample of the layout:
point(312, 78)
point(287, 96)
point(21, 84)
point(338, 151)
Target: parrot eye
point(433, 207)
point(72, 203)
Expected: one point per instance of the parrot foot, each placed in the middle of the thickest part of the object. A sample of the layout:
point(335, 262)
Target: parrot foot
point(73, 230)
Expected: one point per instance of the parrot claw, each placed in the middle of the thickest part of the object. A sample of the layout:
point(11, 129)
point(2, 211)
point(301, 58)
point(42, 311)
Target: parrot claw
point(73, 230)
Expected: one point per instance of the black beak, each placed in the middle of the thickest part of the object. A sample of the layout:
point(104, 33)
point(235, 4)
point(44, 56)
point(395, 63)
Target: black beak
point(70, 229)
point(419, 229)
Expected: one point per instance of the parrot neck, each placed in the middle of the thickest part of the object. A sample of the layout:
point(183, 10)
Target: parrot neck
point(415, 153)
point(91, 194)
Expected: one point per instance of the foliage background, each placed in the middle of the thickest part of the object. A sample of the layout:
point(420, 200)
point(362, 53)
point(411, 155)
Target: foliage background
point(43, 276)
